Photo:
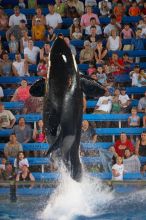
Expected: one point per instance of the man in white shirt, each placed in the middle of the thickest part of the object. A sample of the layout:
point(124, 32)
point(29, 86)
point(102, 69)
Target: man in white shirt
point(31, 52)
point(53, 19)
point(93, 23)
point(16, 17)
point(104, 104)
point(112, 25)
point(20, 66)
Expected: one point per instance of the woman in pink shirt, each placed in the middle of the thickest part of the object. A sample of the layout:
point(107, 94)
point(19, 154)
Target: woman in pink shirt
point(85, 19)
point(22, 92)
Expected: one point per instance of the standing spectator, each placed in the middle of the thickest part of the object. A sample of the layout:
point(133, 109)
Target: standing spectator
point(100, 53)
point(7, 119)
point(134, 10)
point(38, 30)
point(16, 17)
point(142, 103)
point(114, 41)
point(39, 16)
point(112, 25)
point(22, 131)
point(20, 66)
point(3, 20)
point(12, 148)
point(31, 52)
point(124, 101)
point(13, 44)
point(93, 23)
point(119, 11)
point(53, 19)
point(144, 118)
point(131, 162)
point(85, 19)
point(17, 30)
point(87, 54)
point(118, 169)
point(122, 144)
point(20, 161)
point(104, 104)
point(5, 65)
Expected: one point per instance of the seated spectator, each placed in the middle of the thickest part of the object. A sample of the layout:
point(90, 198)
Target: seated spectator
point(38, 30)
point(93, 37)
point(119, 11)
point(76, 23)
point(53, 19)
point(84, 104)
point(77, 34)
point(3, 20)
point(51, 35)
point(20, 66)
point(22, 92)
point(32, 3)
point(22, 131)
point(127, 33)
point(142, 78)
point(31, 52)
point(122, 144)
point(16, 17)
point(143, 10)
point(144, 119)
point(117, 64)
point(7, 173)
point(134, 75)
point(42, 68)
point(114, 41)
point(12, 148)
point(85, 18)
point(20, 161)
point(7, 119)
point(101, 76)
point(93, 23)
point(25, 175)
point(90, 2)
point(87, 133)
point(21, 4)
point(34, 105)
point(116, 107)
point(100, 53)
point(140, 149)
point(124, 101)
point(24, 41)
point(91, 69)
point(17, 30)
point(134, 119)
point(105, 8)
point(5, 65)
point(118, 169)
point(142, 103)
point(13, 44)
point(72, 47)
point(39, 132)
point(39, 16)
point(131, 162)
point(45, 51)
point(112, 25)
point(59, 7)
point(71, 10)
point(1, 93)
point(87, 54)
point(127, 62)
point(134, 10)
point(104, 104)
point(3, 164)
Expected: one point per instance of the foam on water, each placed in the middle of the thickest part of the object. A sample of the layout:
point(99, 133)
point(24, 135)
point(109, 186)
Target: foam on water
point(71, 199)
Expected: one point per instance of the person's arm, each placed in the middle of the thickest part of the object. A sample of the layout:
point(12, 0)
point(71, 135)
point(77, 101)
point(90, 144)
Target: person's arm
point(120, 44)
point(18, 177)
point(14, 98)
point(12, 122)
point(29, 60)
point(137, 147)
point(108, 44)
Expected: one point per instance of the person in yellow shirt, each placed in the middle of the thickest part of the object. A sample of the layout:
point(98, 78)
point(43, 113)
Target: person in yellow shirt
point(38, 30)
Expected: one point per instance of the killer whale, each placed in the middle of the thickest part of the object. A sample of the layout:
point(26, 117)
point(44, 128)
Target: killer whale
point(63, 104)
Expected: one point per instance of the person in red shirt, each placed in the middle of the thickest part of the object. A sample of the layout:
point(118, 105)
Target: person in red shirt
point(122, 144)
point(117, 64)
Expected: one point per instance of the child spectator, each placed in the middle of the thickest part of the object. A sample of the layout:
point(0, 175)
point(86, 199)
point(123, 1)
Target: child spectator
point(133, 121)
point(116, 64)
point(134, 9)
point(91, 69)
point(39, 132)
point(134, 75)
point(77, 34)
point(118, 169)
point(114, 41)
point(144, 118)
point(124, 101)
point(20, 161)
point(21, 4)
point(51, 35)
point(42, 68)
point(3, 164)
point(127, 32)
point(116, 107)
point(101, 76)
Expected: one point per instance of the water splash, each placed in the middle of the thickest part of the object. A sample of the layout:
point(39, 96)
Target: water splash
point(71, 199)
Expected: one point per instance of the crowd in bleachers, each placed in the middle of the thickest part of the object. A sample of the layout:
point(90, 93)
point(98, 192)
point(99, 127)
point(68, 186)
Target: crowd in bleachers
point(108, 40)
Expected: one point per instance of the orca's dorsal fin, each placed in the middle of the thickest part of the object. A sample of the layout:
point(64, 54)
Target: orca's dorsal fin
point(38, 88)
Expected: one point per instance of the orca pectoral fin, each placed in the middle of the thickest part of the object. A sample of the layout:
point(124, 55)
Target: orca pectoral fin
point(91, 87)
point(38, 88)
